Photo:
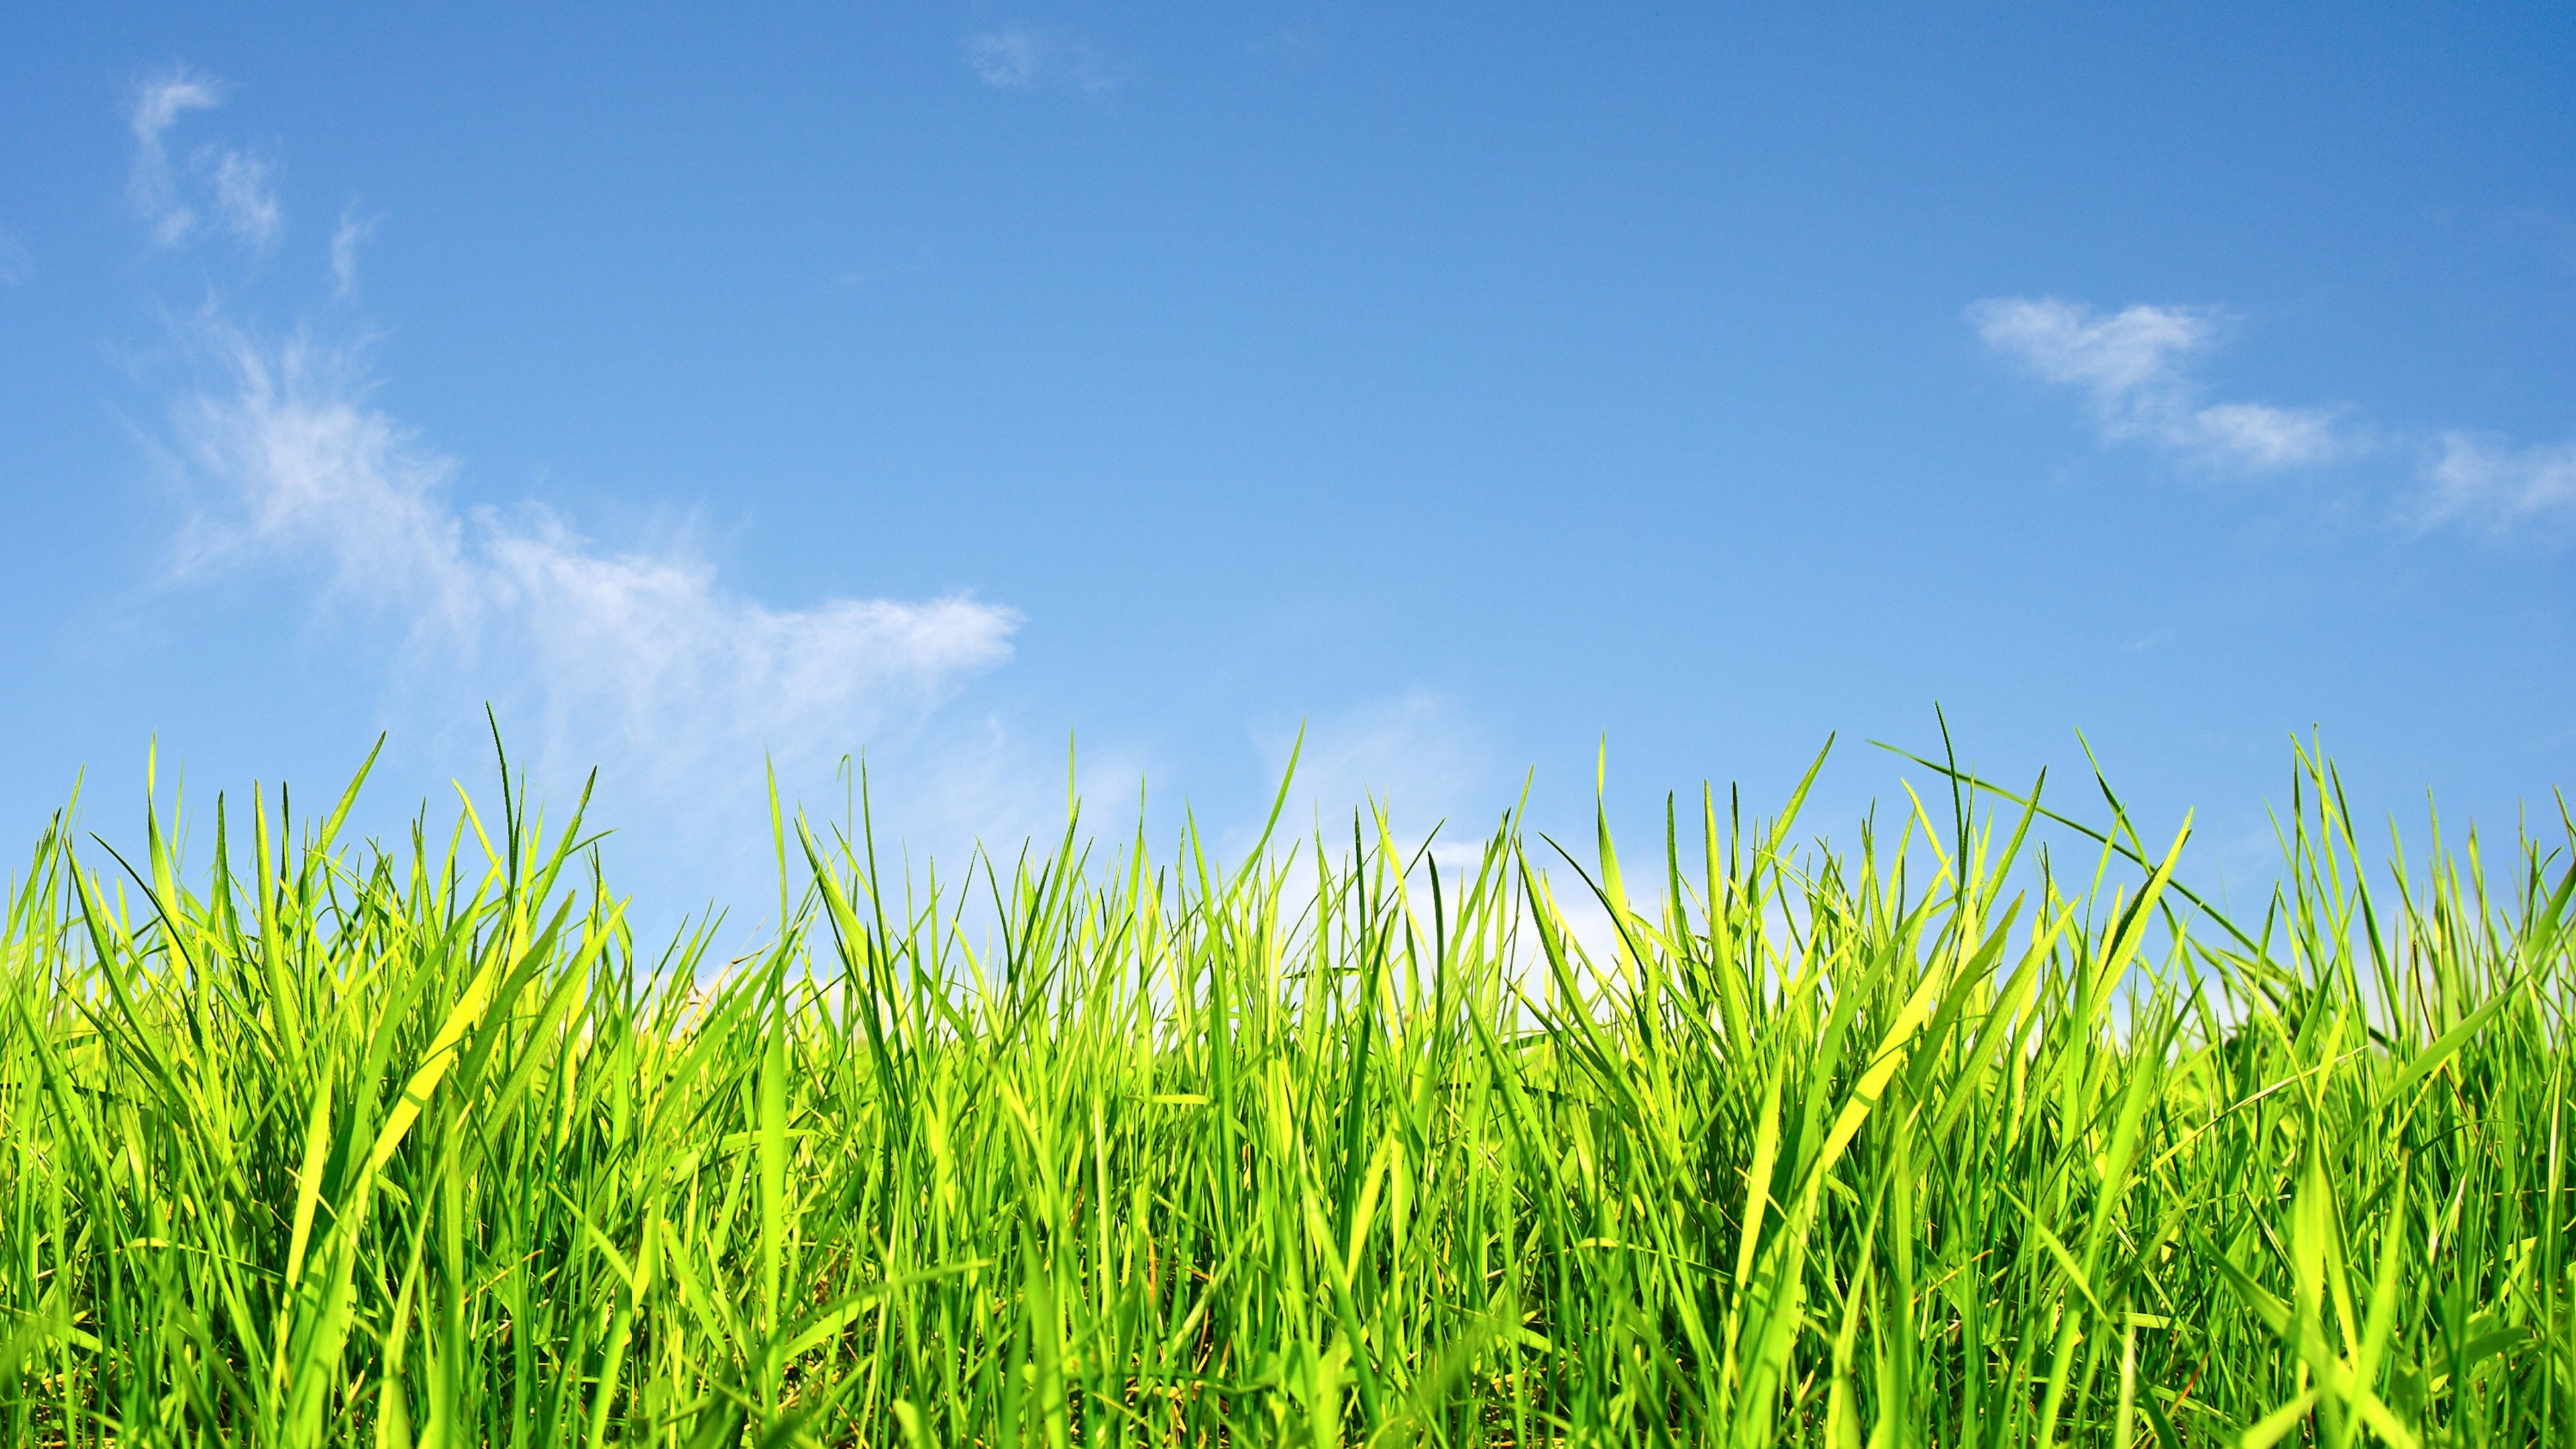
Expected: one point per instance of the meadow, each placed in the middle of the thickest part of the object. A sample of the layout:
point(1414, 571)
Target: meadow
point(1984, 1127)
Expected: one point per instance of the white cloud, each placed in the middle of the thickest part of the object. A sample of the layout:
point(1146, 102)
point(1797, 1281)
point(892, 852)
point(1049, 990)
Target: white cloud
point(245, 198)
point(2131, 366)
point(1016, 58)
point(2264, 437)
point(642, 662)
point(299, 467)
point(354, 230)
point(17, 264)
point(1007, 58)
point(2117, 357)
point(239, 186)
point(655, 647)
point(158, 105)
point(2481, 479)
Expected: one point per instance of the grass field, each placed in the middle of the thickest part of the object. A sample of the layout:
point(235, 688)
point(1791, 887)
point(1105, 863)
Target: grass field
point(1927, 1141)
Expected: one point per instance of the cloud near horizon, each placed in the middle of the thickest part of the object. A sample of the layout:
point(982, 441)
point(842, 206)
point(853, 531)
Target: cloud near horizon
point(643, 660)
point(1419, 754)
point(682, 691)
point(2131, 366)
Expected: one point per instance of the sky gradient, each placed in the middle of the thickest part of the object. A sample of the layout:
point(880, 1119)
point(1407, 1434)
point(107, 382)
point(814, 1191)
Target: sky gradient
point(1468, 384)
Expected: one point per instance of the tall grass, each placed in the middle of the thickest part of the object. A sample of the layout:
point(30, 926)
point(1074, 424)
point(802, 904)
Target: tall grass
point(1918, 1143)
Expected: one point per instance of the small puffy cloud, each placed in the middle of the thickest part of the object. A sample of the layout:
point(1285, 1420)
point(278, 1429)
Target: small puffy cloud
point(2117, 357)
point(2263, 437)
point(1007, 58)
point(1017, 58)
point(238, 186)
point(2480, 479)
point(2131, 366)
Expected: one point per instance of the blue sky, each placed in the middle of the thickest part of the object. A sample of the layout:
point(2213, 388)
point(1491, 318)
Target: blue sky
point(1469, 383)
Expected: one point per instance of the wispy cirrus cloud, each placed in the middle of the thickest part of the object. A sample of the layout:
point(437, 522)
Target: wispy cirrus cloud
point(158, 105)
point(2487, 481)
point(643, 660)
point(239, 186)
point(2133, 367)
point(245, 196)
point(683, 690)
point(1007, 58)
point(1016, 57)
point(353, 232)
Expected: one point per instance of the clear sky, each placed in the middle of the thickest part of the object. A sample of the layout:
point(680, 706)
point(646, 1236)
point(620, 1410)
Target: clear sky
point(1469, 382)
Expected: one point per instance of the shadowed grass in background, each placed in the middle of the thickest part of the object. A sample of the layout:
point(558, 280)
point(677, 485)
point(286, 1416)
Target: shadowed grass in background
point(1913, 1145)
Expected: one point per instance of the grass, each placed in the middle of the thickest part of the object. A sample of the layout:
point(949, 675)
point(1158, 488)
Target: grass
point(1920, 1144)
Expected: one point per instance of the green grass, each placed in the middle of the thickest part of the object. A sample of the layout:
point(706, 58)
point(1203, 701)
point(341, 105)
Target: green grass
point(1921, 1143)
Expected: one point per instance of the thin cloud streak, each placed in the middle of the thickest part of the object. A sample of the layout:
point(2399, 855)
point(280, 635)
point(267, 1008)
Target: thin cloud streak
point(238, 185)
point(1018, 58)
point(1005, 59)
point(353, 232)
point(2130, 364)
point(2132, 367)
point(149, 186)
